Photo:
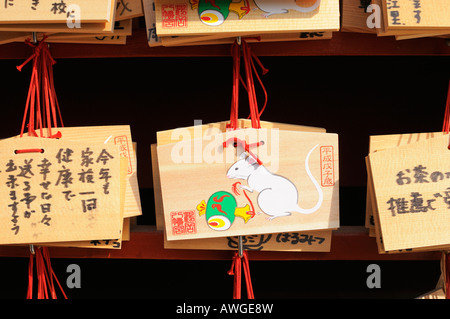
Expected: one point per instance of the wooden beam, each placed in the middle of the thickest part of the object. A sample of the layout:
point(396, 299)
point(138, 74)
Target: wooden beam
point(348, 243)
point(342, 44)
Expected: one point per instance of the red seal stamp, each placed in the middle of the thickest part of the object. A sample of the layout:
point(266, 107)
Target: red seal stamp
point(183, 222)
point(174, 15)
point(124, 150)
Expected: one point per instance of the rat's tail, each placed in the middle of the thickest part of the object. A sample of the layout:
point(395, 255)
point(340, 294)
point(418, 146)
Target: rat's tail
point(298, 209)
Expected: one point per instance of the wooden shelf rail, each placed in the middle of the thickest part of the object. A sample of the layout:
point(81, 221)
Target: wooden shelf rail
point(342, 44)
point(348, 243)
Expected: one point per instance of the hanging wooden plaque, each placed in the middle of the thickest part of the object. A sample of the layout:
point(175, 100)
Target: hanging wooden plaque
point(56, 11)
point(200, 131)
point(58, 191)
point(128, 9)
point(119, 135)
point(184, 17)
point(416, 15)
point(212, 199)
point(312, 240)
point(412, 194)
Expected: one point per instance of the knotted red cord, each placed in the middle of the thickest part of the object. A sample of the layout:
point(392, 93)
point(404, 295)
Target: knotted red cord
point(238, 142)
point(41, 82)
point(30, 277)
point(45, 276)
point(447, 275)
point(235, 49)
point(50, 274)
point(249, 65)
point(248, 57)
point(446, 125)
point(236, 269)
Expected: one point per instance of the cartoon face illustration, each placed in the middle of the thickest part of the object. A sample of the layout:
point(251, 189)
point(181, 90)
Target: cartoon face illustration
point(221, 210)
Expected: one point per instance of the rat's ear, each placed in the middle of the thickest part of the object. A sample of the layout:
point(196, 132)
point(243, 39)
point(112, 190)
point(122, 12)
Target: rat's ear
point(243, 155)
point(251, 160)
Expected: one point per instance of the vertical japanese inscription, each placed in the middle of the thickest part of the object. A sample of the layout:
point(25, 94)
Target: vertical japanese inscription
point(327, 165)
point(124, 150)
point(40, 189)
point(393, 8)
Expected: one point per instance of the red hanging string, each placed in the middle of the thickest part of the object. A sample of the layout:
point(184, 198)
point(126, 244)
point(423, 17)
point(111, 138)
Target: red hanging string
point(40, 271)
point(235, 49)
point(446, 125)
point(253, 103)
point(248, 58)
point(248, 279)
point(51, 274)
point(447, 275)
point(242, 143)
point(45, 276)
point(252, 58)
point(235, 271)
point(30, 277)
point(239, 263)
point(33, 91)
point(41, 81)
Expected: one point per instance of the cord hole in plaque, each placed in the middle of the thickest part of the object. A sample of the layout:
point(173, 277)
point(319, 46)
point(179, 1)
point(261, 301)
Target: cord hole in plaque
point(31, 150)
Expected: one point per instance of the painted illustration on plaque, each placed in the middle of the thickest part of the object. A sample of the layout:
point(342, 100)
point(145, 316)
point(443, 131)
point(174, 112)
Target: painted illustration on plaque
point(277, 196)
point(215, 12)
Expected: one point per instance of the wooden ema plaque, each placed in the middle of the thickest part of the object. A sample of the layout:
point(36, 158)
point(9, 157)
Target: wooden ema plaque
point(317, 241)
point(56, 11)
point(190, 17)
point(354, 16)
point(214, 199)
point(312, 240)
point(416, 14)
point(412, 194)
point(57, 191)
point(203, 130)
point(119, 135)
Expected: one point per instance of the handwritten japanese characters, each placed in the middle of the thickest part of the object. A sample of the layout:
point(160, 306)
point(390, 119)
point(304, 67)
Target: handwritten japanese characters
point(57, 191)
point(126, 9)
point(416, 14)
point(119, 135)
point(55, 11)
point(312, 241)
point(258, 242)
point(417, 203)
point(411, 186)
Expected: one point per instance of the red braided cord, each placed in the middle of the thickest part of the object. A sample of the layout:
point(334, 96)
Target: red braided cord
point(41, 79)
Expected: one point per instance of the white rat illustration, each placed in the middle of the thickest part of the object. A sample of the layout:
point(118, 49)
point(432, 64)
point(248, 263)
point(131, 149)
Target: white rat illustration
point(283, 6)
point(277, 196)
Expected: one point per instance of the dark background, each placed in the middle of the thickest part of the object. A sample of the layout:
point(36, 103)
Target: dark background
point(353, 96)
